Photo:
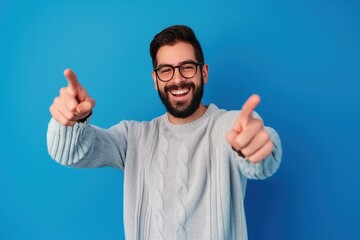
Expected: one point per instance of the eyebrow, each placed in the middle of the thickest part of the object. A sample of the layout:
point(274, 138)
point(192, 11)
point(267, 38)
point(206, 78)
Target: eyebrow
point(186, 61)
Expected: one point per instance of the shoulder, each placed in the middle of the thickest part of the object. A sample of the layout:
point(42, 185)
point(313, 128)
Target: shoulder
point(222, 115)
point(136, 127)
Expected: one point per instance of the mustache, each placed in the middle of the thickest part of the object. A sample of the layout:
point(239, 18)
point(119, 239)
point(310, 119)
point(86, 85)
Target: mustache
point(181, 85)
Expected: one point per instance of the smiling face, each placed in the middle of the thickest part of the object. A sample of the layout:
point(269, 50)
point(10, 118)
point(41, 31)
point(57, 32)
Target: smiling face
point(181, 96)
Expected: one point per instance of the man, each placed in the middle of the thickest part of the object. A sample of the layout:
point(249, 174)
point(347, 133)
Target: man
point(185, 172)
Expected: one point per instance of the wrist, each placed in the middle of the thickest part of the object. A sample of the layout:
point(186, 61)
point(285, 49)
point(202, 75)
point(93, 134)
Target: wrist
point(85, 118)
point(238, 152)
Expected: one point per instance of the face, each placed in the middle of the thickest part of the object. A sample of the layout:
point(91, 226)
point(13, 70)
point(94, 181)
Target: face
point(181, 96)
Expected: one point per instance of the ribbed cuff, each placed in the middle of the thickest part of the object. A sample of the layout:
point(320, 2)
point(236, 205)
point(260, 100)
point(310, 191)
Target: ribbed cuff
point(68, 144)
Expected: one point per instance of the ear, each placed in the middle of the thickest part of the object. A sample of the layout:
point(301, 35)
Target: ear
point(153, 75)
point(205, 72)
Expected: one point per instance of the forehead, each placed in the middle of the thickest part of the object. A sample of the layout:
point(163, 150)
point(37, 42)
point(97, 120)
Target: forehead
point(175, 54)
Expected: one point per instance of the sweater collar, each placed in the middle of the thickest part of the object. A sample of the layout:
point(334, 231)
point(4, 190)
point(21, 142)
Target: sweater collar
point(191, 125)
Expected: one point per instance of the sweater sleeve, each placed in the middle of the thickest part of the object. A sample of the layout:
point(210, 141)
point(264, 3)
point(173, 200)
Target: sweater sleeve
point(87, 146)
point(266, 167)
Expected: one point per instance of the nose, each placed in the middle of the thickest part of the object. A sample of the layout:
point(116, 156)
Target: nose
point(177, 78)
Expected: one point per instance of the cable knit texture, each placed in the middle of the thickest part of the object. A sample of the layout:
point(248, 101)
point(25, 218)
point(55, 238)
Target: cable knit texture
point(180, 181)
point(158, 192)
point(183, 181)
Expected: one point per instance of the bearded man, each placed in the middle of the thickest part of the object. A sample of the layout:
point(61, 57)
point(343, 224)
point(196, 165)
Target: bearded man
point(185, 172)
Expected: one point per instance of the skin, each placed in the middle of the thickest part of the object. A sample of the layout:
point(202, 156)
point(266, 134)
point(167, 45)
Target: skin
point(73, 103)
point(247, 136)
point(175, 55)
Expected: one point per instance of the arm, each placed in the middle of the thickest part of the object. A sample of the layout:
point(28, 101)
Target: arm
point(72, 141)
point(86, 146)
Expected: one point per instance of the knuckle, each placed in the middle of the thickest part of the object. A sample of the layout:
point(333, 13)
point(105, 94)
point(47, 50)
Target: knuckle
point(258, 123)
point(69, 116)
point(62, 91)
point(270, 146)
point(245, 151)
point(56, 101)
point(67, 122)
point(235, 145)
point(264, 136)
point(51, 109)
point(255, 159)
point(67, 91)
point(67, 102)
point(93, 103)
point(71, 106)
point(231, 135)
point(243, 120)
point(240, 142)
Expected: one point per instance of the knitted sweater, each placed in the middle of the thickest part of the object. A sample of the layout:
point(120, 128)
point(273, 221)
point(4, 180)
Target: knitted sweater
point(180, 181)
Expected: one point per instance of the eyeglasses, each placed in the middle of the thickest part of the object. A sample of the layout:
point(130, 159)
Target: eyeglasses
point(187, 70)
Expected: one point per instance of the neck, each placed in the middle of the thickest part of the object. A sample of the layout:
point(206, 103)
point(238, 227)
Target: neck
point(196, 115)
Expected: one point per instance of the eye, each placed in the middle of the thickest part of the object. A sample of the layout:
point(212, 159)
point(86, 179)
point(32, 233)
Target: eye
point(165, 70)
point(188, 67)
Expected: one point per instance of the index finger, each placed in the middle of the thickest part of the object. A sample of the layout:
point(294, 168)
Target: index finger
point(249, 106)
point(246, 111)
point(71, 78)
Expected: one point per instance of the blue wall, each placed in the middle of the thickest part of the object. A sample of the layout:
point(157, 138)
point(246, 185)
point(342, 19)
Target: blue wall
point(302, 57)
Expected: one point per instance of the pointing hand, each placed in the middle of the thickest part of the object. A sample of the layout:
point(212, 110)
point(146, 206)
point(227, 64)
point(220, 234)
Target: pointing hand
point(248, 136)
point(73, 104)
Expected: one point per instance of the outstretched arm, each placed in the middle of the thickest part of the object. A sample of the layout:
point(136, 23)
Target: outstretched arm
point(74, 142)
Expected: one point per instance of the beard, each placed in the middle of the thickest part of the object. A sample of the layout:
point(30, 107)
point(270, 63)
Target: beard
point(182, 109)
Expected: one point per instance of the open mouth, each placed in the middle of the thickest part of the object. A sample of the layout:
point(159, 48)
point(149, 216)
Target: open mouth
point(180, 92)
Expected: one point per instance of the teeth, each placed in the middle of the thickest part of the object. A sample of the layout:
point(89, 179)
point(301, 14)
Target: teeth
point(180, 91)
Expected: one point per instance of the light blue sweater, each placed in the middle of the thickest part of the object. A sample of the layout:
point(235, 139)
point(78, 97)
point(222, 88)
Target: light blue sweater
point(180, 181)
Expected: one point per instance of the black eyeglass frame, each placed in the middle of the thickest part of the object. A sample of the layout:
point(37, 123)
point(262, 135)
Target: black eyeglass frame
point(173, 70)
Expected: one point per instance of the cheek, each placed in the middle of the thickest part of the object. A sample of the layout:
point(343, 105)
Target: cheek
point(160, 87)
point(157, 85)
point(155, 81)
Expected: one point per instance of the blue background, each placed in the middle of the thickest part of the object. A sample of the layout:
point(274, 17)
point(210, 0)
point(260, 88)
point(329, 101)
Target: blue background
point(302, 57)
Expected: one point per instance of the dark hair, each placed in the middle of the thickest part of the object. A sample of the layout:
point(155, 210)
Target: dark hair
point(172, 35)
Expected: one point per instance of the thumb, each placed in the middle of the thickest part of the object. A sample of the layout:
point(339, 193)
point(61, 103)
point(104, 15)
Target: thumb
point(85, 106)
